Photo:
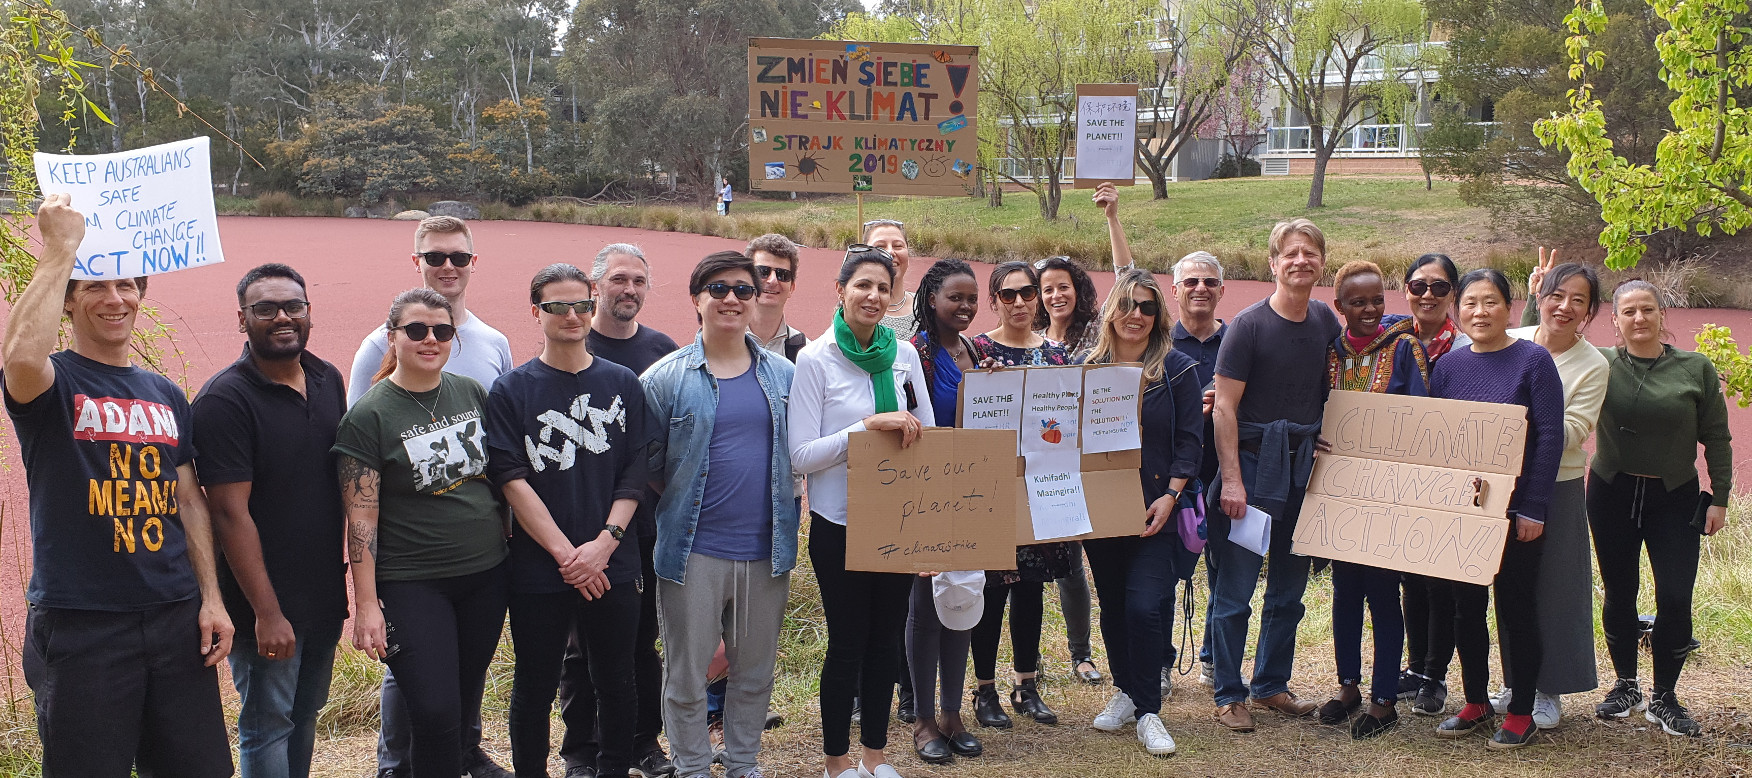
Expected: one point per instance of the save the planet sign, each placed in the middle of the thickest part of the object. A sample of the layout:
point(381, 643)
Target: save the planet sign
point(847, 116)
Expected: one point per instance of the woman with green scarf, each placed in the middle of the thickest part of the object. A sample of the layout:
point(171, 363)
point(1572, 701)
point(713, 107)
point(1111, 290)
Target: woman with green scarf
point(858, 376)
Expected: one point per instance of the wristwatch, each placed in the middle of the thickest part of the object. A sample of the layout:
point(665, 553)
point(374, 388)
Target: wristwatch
point(615, 532)
point(1175, 493)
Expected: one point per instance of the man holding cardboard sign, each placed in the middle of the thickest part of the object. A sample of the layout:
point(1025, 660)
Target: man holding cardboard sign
point(1271, 384)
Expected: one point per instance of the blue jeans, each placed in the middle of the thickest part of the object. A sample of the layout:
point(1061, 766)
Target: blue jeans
point(1352, 585)
point(1237, 575)
point(276, 724)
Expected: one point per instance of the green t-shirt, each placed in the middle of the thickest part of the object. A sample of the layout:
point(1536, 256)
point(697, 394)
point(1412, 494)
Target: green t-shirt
point(437, 516)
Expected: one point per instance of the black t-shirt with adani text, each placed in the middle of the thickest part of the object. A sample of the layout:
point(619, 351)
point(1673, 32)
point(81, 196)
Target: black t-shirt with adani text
point(101, 448)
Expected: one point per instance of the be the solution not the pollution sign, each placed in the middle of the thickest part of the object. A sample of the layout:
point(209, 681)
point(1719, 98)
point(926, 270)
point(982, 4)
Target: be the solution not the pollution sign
point(147, 211)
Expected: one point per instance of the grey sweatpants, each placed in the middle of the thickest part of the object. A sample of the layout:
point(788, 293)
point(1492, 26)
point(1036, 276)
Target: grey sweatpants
point(742, 604)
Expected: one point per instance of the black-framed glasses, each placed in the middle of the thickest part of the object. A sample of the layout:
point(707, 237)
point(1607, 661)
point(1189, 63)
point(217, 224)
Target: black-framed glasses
point(457, 258)
point(418, 330)
point(1210, 282)
point(1150, 308)
point(1438, 288)
point(559, 308)
point(268, 310)
point(768, 271)
point(719, 290)
point(1027, 293)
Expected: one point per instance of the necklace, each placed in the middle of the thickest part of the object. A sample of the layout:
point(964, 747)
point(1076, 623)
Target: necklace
point(432, 411)
point(899, 305)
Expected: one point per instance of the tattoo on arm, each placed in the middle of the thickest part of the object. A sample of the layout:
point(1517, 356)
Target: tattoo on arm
point(361, 540)
point(359, 488)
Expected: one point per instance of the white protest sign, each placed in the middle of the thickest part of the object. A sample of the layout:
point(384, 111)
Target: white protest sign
point(1106, 131)
point(1055, 494)
point(1051, 405)
point(1110, 408)
point(991, 400)
point(147, 211)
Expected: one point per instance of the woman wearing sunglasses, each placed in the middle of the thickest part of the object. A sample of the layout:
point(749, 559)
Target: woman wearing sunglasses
point(1135, 575)
point(425, 533)
point(858, 376)
point(1015, 296)
point(890, 236)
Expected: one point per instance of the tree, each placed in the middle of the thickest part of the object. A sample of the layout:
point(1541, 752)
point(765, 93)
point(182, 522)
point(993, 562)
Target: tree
point(1212, 67)
point(358, 144)
point(1699, 178)
point(1337, 62)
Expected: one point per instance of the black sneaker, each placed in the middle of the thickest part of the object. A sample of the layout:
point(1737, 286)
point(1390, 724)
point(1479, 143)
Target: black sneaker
point(1432, 698)
point(1504, 740)
point(476, 764)
point(653, 765)
point(1410, 683)
point(580, 771)
point(1624, 698)
point(1674, 719)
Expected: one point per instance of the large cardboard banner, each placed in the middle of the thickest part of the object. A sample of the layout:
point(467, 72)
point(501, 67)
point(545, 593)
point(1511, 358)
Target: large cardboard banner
point(147, 211)
point(947, 502)
point(1414, 484)
point(1107, 128)
point(849, 116)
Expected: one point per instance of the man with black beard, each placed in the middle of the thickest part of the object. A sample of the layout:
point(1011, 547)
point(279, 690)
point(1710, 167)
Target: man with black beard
point(263, 429)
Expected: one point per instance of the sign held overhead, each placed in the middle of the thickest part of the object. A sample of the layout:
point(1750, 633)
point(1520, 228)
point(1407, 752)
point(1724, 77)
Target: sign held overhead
point(1107, 129)
point(147, 211)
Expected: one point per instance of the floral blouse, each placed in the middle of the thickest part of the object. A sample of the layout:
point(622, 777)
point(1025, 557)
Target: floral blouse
point(1038, 562)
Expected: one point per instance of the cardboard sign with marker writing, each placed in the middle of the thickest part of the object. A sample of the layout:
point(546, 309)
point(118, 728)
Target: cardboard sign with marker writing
point(947, 502)
point(1415, 484)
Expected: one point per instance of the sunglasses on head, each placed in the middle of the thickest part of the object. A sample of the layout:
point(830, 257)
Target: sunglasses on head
point(865, 248)
point(883, 223)
point(768, 271)
point(1209, 282)
point(269, 311)
point(438, 258)
point(1027, 293)
point(1149, 308)
point(719, 290)
point(1438, 288)
point(418, 331)
point(559, 308)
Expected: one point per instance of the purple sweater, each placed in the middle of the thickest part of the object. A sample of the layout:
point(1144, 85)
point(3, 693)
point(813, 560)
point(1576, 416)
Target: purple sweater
point(1521, 374)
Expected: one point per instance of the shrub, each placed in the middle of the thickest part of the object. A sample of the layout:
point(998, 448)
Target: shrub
point(276, 204)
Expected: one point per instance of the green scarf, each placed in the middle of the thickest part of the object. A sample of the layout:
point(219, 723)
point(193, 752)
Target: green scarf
point(876, 360)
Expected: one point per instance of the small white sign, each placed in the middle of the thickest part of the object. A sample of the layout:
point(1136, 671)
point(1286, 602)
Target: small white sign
point(1110, 408)
point(992, 400)
point(1051, 405)
point(1106, 130)
point(147, 211)
point(1055, 494)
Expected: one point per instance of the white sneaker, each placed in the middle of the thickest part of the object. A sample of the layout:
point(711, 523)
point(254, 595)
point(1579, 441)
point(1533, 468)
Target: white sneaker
point(883, 770)
point(1499, 702)
point(1154, 736)
point(1119, 712)
point(1207, 675)
point(1547, 710)
point(1167, 683)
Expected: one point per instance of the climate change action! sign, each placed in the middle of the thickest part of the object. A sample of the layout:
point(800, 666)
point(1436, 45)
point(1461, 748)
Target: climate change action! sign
point(847, 116)
point(147, 211)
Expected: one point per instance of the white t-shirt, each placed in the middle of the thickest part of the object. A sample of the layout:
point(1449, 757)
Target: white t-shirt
point(479, 352)
point(830, 397)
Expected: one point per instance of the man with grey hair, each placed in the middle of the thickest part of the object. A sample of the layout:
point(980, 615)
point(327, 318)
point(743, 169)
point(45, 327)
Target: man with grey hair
point(622, 278)
point(775, 269)
point(1198, 288)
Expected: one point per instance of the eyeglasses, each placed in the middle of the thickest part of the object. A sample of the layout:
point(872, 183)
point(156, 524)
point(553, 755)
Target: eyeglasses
point(719, 290)
point(1209, 282)
point(1437, 288)
point(419, 330)
point(269, 311)
point(438, 258)
point(883, 223)
point(1150, 308)
point(1027, 293)
point(559, 308)
point(768, 271)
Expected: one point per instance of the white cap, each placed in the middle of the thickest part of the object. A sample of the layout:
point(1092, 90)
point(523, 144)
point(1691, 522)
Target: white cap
point(960, 598)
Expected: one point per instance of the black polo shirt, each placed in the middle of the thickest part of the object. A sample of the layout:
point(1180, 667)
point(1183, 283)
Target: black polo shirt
point(249, 428)
point(1205, 353)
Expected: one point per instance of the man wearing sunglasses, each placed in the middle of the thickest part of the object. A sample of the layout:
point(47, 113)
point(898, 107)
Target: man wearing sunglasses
point(567, 433)
point(1198, 288)
point(775, 269)
point(264, 427)
point(445, 259)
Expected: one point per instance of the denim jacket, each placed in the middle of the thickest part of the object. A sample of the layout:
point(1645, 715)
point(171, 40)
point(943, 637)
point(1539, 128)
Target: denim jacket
point(681, 389)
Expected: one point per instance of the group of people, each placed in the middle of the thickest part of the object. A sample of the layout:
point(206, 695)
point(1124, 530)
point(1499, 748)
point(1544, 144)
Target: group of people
point(620, 488)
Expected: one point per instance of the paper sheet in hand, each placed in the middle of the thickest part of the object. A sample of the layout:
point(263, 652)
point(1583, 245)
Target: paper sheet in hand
point(1055, 494)
point(1110, 408)
point(1252, 531)
point(1051, 410)
point(147, 211)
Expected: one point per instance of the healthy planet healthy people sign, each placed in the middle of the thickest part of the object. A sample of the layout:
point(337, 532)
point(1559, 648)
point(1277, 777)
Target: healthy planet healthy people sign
point(147, 211)
point(848, 116)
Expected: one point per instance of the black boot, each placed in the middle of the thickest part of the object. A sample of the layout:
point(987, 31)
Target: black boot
point(987, 710)
point(1025, 698)
point(906, 713)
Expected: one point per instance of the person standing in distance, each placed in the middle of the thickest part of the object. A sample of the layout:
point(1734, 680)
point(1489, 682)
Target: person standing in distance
point(1271, 390)
point(725, 193)
point(445, 259)
point(124, 590)
point(622, 278)
point(264, 426)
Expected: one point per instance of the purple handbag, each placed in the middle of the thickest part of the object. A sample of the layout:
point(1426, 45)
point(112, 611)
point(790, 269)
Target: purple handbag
point(1189, 515)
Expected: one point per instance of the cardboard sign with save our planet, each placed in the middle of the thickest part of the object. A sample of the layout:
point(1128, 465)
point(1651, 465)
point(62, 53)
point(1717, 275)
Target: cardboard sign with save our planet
point(1414, 484)
point(947, 502)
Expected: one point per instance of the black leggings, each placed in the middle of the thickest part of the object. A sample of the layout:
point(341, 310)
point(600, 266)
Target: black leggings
point(1429, 625)
point(446, 630)
point(1026, 612)
point(1626, 514)
point(866, 619)
point(607, 626)
point(1517, 615)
